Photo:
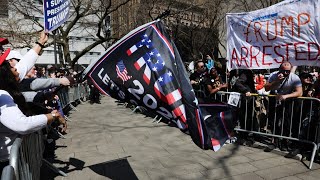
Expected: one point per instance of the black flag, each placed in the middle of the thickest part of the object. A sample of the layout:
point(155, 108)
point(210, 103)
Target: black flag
point(145, 68)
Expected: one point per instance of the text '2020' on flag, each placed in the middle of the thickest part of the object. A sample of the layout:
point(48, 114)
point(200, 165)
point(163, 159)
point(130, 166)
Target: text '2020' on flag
point(144, 68)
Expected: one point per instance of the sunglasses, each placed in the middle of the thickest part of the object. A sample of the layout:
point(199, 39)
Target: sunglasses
point(284, 71)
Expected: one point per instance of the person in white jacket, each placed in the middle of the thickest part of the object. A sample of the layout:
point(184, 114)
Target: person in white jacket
point(25, 64)
point(15, 118)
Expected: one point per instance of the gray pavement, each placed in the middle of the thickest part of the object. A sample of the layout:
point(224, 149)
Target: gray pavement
point(106, 141)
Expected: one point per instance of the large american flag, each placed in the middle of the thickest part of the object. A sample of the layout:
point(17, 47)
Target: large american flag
point(122, 71)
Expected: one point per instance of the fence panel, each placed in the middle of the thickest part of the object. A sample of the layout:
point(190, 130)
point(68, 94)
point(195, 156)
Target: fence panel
point(295, 119)
point(26, 155)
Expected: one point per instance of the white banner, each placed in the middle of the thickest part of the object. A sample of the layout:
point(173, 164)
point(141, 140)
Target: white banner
point(262, 39)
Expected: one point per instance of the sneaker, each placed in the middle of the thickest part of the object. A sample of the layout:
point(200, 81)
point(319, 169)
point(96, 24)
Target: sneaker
point(292, 153)
point(269, 148)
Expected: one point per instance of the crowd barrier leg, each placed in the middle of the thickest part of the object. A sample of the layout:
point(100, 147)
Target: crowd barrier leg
point(60, 135)
point(135, 109)
point(74, 108)
point(159, 120)
point(55, 169)
point(67, 119)
point(155, 119)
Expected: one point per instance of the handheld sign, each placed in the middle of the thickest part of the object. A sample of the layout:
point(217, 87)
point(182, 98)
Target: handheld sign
point(56, 12)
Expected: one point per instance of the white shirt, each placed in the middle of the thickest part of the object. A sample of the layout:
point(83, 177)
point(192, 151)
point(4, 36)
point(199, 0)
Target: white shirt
point(13, 122)
point(26, 63)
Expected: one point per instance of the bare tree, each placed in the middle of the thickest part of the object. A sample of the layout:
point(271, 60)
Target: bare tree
point(86, 16)
point(193, 24)
point(250, 5)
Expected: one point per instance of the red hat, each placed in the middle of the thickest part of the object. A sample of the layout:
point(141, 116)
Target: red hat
point(4, 56)
point(3, 41)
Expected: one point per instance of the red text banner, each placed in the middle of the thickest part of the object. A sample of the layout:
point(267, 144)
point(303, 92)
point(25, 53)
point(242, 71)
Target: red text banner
point(263, 39)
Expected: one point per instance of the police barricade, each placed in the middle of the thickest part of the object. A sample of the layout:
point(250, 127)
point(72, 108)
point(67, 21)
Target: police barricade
point(25, 157)
point(70, 95)
point(294, 119)
point(27, 151)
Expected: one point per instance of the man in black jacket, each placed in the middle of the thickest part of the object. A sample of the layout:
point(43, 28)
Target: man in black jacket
point(245, 85)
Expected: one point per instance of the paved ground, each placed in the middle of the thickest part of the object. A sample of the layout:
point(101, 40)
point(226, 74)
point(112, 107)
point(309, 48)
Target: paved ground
point(106, 141)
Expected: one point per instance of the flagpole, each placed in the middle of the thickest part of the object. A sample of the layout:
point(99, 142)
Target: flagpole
point(164, 14)
point(55, 48)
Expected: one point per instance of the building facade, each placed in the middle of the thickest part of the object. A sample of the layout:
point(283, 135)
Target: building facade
point(14, 25)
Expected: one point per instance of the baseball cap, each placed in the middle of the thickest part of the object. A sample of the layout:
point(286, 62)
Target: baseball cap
point(4, 55)
point(14, 55)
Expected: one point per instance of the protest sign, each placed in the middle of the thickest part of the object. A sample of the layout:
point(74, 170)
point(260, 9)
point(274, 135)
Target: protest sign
point(56, 12)
point(263, 39)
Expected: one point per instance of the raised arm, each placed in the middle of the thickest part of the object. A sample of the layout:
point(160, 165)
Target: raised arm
point(30, 58)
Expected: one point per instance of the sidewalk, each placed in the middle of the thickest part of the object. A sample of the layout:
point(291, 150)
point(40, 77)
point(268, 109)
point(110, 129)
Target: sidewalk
point(106, 141)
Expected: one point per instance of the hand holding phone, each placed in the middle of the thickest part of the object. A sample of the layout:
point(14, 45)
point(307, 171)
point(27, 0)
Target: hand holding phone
point(280, 76)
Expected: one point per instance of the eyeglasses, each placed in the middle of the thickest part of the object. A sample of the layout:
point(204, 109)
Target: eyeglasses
point(284, 71)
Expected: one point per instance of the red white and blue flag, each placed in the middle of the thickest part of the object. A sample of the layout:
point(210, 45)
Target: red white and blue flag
point(145, 69)
point(122, 71)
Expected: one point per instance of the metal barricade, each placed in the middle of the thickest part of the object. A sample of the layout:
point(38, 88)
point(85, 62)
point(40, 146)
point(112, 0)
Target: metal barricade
point(295, 119)
point(8, 173)
point(84, 91)
point(26, 151)
point(26, 157)
point(63, 96)
point(72, 94)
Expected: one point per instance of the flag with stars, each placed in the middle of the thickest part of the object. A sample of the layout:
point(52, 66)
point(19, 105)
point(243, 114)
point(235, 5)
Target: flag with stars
point(122, 71)
point(144, 68)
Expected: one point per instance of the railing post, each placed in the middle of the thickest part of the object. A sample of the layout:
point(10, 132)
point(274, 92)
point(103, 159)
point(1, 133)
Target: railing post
point(14, 156)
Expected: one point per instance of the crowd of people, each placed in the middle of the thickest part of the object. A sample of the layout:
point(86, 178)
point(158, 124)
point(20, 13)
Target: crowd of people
point(284, 83)
point(28, 100)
